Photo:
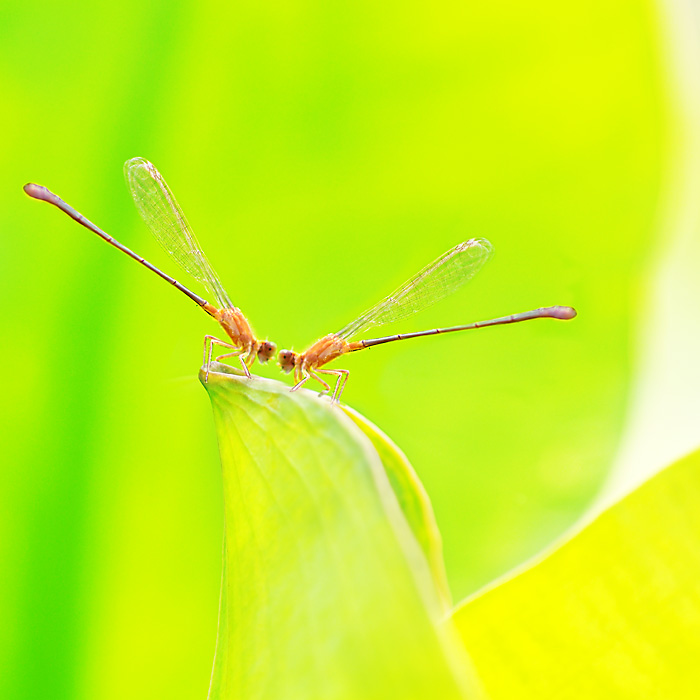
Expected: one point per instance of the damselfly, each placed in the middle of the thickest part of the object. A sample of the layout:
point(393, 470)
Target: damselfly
point(438, 280)
point(163, 215)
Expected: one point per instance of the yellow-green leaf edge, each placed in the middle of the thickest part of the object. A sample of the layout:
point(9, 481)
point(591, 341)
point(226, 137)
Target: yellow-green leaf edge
point(612, 613)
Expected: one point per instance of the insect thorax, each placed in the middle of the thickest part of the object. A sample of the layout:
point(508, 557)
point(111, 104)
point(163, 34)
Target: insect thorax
point(237, 327)
point(325, 350)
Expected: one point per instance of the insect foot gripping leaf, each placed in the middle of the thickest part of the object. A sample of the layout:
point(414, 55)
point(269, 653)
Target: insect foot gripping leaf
point(327, 593)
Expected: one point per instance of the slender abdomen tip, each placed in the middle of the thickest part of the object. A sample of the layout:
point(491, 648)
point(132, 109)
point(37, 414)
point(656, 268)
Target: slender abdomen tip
point(563, 312)
point(36, 191)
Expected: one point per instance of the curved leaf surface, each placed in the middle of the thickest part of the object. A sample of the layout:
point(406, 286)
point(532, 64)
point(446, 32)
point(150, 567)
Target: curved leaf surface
point(326, 593)
point(613, 613)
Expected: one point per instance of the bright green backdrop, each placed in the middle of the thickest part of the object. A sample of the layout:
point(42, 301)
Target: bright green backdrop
point(323, 153)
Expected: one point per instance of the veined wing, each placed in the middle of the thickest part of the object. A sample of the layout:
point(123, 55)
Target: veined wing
point(433, 283)
point(162, 214)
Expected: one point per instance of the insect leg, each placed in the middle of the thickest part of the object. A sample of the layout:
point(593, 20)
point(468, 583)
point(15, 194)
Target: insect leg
point(343, 375)
point(209, 342)
point(301, 382)
point(240, 356)
point(250, 357)
point(318, 379)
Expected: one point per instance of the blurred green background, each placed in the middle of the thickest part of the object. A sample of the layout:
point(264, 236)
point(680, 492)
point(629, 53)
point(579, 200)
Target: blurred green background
point(323, 153)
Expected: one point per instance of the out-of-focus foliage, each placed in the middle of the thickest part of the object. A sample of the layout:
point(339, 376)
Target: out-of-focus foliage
point(613, 613)
point(322, 153)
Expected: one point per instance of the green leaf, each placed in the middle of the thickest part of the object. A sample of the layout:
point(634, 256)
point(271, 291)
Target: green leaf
point(413, 499)
point(326, 593)
point(613, 613)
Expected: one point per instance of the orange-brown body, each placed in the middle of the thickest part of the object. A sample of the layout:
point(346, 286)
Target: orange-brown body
point(323, 351)
point(237, 329)
point(243, 340)
point(309, 363)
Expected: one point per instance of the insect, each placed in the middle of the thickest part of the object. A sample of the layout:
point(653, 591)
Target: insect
point(168, 224)
point(438, 280)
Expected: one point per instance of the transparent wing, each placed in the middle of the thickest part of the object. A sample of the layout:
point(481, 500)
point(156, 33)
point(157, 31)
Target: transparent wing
point(438, 280)
point(162, 214)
